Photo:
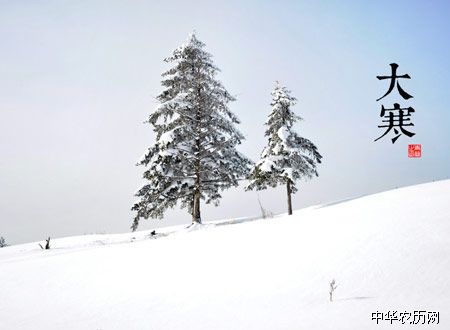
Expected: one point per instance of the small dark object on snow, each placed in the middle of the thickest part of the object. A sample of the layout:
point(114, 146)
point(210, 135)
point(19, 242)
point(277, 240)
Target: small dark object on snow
point(2, 242)
point(153, 233)
point(47, 244)
point(333, 287)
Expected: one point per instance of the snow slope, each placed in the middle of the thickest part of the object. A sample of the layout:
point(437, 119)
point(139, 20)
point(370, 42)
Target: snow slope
point(388, 251)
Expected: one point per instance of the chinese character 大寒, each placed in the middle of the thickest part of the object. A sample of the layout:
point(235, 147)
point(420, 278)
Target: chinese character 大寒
point(396, 118)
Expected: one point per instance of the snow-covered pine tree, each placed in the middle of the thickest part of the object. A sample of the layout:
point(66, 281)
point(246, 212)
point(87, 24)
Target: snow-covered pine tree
point(287, 157)
point(195, 154)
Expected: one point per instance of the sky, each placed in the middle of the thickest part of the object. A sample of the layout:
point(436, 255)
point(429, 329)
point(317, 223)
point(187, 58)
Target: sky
point(79, 78)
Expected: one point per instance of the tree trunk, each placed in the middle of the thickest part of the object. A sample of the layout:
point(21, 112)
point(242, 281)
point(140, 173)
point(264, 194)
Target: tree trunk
point(196, 218)
point(196, 210)
point(288, 186)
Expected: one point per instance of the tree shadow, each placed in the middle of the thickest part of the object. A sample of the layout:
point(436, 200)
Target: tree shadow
point(353, 298)
point(237, 221)
point(340, 201)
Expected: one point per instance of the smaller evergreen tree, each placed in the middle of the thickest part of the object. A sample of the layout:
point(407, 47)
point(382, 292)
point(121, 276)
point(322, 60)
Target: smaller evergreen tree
point(287, 157)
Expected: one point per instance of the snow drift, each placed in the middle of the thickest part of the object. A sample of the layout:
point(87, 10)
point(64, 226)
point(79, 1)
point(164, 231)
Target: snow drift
point(387, 252)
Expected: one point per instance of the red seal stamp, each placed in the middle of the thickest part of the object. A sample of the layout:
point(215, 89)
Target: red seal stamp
point(414, 150)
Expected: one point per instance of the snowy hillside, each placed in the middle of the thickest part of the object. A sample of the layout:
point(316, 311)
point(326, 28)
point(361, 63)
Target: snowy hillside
point(388, 252)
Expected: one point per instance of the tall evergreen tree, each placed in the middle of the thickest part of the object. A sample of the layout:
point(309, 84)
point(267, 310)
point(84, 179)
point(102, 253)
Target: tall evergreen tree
point(287, 157)
point(195, 154)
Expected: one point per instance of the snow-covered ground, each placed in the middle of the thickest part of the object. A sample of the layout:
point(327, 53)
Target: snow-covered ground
point(388, 252)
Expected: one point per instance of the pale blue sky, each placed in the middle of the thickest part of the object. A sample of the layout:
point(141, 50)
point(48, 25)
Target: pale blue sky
point(78, 78)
